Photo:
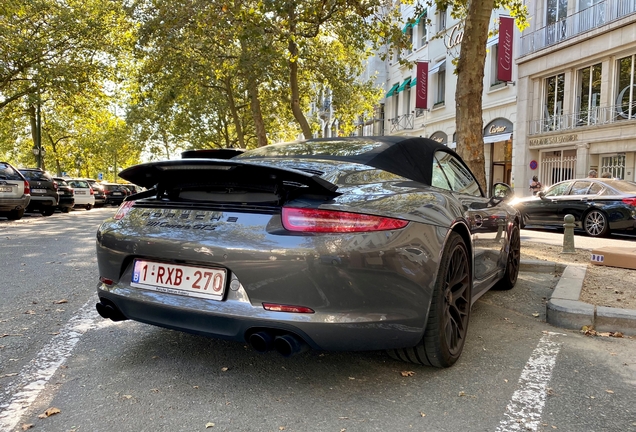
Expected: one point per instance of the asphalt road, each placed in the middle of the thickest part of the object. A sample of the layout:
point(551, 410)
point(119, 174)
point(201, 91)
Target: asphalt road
point(517, 373)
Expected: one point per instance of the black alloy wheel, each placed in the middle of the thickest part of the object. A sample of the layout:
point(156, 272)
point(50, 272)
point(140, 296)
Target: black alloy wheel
point(47, 211)
point(447, 325)
point(595, 224)
point(513, 262)
point(15, 214)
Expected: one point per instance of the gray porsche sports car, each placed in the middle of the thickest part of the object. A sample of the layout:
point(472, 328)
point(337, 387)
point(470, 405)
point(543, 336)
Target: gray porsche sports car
point(335, 244)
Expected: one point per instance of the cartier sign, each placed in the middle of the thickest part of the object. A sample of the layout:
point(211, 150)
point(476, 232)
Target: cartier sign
point(455, 36)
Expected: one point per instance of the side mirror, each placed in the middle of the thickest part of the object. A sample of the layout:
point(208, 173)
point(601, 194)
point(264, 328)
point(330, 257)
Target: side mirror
point(541, 195)
point(502, 191)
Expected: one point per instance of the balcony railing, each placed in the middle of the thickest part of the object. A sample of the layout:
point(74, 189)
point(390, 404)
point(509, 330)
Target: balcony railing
point(405, 121)
point(592, 117)
point(595, 16)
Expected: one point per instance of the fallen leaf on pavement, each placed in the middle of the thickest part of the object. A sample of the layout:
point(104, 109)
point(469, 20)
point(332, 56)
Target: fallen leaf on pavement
point(609, 391)
point(407, 373)
point(49, 412)
point(422, 414)
point(225, 369)
point(281, 428)
point(10, 334)
point(8, 375)
point(30, 312)
point(60, 301)
point(461, 393)
point(127, 397)
point(535, 314)
point(209, 425)
point(26, 426)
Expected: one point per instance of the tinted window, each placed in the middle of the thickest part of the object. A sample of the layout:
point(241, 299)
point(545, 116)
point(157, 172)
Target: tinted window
point(580, 188)
point(456, 174)
point(8, 173)
point(78, 184)
point(61, 182)
point(558, 189)
point(36, 175)
point(595, 189)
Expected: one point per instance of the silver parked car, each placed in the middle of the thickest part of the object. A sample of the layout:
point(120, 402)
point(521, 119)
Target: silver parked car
point(334, 244)
point(15, 193)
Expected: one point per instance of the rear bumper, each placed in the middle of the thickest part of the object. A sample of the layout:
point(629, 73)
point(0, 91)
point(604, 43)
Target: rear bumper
point(38, 202)
point(10, 204)
point(322, 332)
point(66, 202)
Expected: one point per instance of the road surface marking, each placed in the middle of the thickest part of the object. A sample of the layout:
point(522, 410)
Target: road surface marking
point(523, 413)
point(21, 393)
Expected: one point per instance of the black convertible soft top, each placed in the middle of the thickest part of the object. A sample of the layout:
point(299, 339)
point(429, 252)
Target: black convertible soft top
point(409, 157)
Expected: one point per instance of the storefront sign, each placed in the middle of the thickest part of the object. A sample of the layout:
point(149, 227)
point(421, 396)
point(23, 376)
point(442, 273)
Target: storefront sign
point(543, 142)
point(496, 129)
point(421, 87)
point(504, 55)
point(439, 137)
point(455, 36)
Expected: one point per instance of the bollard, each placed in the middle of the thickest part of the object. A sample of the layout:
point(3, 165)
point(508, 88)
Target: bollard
point(568, 234)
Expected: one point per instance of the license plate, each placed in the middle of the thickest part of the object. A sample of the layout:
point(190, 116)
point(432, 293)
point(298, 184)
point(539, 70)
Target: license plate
point(184, 280)
point(6, 188)
point(38, 190)
point(80, 192)
point(116, 193)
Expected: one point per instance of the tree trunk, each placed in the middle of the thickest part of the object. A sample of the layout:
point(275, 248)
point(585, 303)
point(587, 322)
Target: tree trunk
point(470, 87)
point(236, 119)
point(257, 115)
point(34, 129)
point(293, 76)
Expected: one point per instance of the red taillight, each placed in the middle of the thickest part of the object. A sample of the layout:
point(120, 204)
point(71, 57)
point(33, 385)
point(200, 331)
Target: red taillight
point(630, 201)
point(27, 188)
point(329, 221)
point(124, 208)
point(106, 280)
point(92, 191)
point(54, 185)
point(286, 308)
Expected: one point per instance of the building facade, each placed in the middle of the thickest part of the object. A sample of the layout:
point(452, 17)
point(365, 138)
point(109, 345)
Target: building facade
point(436, 40)
point(576, 88)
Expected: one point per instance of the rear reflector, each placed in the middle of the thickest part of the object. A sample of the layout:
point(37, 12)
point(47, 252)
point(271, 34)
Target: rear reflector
point(286, 308)
point(27, 188)
point(106, 281)
point(329, 221)
point(630, 201)
point(123, 210)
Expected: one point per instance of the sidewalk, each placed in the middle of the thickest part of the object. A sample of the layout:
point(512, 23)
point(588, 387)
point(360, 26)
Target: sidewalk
point(565, 310)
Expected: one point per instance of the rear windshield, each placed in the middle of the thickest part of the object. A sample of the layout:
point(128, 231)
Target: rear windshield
point(61, 182)
point(36, 175)
point(326, 148)
point(624, 186)
point(8, 173)
point(79, 184)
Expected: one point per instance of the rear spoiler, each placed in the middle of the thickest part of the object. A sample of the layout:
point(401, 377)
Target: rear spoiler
point(172, 173)
point(221, 153)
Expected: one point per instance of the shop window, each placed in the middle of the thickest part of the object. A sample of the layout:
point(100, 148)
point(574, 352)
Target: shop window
point(422, 31)
point(625, 103)
point(494, 66)
point(440, 89)
point(589, 95)
point(441, 20)
point(553, 105)
point(556, 12)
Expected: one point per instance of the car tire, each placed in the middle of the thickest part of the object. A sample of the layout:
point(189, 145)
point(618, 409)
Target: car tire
point(446, 329)
point(595, 223)
point(88, 207)
point(513, 262)
point(15, 214)
point(65, 209)
point(47, 211)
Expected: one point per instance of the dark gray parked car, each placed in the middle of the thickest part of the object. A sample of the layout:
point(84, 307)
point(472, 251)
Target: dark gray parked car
point(44, 196)
point(337, 244)
point(15, 193)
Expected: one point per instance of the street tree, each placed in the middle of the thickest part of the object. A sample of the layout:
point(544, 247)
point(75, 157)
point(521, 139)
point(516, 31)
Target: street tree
point(470, 73)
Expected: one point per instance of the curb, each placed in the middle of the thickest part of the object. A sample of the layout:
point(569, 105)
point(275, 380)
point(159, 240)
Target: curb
point(565, 310)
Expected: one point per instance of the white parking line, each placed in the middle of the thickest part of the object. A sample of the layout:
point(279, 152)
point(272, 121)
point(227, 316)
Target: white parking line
point(523, 413)
point(31, 381)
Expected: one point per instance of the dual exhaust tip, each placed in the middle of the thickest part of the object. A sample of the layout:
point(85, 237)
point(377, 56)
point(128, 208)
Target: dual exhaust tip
point(286, 344)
